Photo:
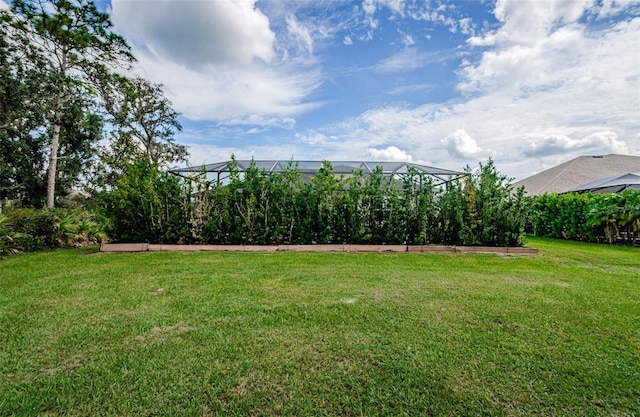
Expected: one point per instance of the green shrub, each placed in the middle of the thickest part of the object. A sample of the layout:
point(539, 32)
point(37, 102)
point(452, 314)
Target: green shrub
point(588, 217)
point(493, 214)
point(36, 229)
point(8, 242)
point(147, 205)
point(564, 216)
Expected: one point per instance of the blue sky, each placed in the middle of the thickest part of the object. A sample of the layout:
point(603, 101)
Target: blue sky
point(444, 83)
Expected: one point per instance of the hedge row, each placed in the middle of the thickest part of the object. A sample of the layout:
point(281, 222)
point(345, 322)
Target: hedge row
point(588, 217)
point(254, 207)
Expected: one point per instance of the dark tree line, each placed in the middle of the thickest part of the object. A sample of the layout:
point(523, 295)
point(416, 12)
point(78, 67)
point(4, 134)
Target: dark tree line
point(61, 90)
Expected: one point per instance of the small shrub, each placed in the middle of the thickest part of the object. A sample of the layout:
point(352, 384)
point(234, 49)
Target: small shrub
point(36, 229)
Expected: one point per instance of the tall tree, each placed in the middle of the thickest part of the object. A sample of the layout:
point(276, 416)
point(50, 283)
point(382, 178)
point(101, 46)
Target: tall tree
point(81, 127)
point(22, 151)
point(78, 41)
point(144, 123)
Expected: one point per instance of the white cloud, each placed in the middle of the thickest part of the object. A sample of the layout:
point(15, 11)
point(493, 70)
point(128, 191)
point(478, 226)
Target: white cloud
point(461, 145)
point(231, 93)
point(571, 93)
point(261, 120)
point(597, 143)
point(3, 5)
point(407, 40)
point(412, 88)
point(466, 26)
point(300, 32)
point(548, 62)
point(406, 59)
point(314, 138)
point(197, 34)
point(390, 153)
point(410, 58)
point(527, 21)
point(369, 8)
point(208, 154)
point(523, 135)
point(217, 59)
point(428, 12)
point(550, 82)
point(396, 7)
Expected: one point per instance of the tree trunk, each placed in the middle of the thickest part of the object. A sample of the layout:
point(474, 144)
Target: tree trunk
point(53, 167)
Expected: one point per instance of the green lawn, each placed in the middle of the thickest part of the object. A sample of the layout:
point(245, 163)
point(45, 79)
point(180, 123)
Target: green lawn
point(203, 334)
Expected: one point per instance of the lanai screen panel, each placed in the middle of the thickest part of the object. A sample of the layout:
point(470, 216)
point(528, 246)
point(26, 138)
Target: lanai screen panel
point(613, 184)
point(219, 171)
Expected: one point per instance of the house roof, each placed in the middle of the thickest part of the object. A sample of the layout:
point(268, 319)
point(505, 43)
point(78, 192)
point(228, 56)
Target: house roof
point(578, 172)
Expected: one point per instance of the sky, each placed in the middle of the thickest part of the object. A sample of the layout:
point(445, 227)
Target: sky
point(530, 84)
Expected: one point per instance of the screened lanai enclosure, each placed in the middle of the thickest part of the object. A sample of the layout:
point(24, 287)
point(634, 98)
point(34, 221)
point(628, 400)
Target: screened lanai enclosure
point(219, 171)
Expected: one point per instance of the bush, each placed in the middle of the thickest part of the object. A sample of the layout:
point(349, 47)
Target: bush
point(8, 242)
point(564, 216)
point(147, 205)
point(36, 229)
point(494, 215)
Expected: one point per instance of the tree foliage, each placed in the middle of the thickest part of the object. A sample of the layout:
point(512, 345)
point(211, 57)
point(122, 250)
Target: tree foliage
point(59, 94)
point(35, 229)
point(9, 243)
point(22, 151)
point(77, 44)
point(144, 123)
point(618, 215)
point(25, 133)
point(563, 216)
point(494, 214)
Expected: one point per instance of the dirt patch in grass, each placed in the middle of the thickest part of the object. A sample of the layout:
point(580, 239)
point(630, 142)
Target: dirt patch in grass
point(163, 333)
point(68, 365)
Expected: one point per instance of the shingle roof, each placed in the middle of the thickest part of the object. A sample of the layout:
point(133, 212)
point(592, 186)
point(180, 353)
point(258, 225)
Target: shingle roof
point(577, 172)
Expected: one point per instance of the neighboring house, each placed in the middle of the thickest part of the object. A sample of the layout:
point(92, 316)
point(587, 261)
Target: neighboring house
point(577, 172)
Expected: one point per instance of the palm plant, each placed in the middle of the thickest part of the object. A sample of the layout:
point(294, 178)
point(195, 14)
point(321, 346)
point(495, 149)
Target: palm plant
point(8, 243)
point(606, 213)
point(630, 214)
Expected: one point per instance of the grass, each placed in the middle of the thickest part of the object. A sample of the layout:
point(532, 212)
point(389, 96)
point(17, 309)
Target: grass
point(204, 334)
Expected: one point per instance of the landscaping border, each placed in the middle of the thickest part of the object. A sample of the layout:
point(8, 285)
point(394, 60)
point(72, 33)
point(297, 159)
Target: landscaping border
point(147, 247)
